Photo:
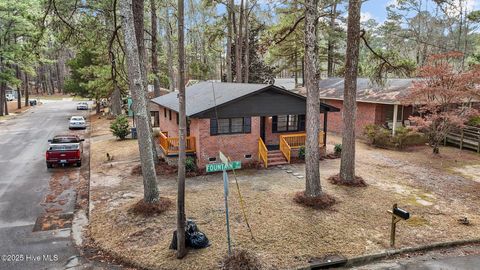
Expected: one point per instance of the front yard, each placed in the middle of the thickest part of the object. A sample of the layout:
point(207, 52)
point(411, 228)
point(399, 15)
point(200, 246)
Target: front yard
point(436, 190)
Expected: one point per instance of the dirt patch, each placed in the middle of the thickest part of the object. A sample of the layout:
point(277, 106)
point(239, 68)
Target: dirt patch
point(324, 201)
point(162, 168)
point(241, 260)
point(149, 209)
point(470, 171)
point(286, 234)
point(357, 182)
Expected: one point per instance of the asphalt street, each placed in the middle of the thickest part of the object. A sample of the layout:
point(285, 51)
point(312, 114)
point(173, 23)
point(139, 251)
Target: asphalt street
point(24, 182)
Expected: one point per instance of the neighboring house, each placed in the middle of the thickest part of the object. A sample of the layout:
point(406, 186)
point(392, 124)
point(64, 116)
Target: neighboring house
point(256, 122)
point(375, 104)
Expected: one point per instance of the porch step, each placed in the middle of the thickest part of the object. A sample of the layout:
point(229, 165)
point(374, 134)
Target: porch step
point(275, 157)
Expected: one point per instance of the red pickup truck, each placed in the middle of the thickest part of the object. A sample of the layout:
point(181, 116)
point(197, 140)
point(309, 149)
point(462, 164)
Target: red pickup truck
point(64, 150)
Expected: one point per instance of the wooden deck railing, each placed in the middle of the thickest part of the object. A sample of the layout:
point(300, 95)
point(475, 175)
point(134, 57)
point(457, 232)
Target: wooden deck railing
point(295, 141)
point(285, 148)
point(262, 152)
point(169, 145)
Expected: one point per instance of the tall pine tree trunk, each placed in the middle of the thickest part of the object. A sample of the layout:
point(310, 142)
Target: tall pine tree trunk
point(347, 164)
point(239, 47)
point(156, 79)
point(171, 71)
point(247, 43)
point(138, 10)
point(312, 150)
point(181, 250)
point(27, 90)
point(150, 194)
point(19, 93)
point(330, 45)
point(230, 10)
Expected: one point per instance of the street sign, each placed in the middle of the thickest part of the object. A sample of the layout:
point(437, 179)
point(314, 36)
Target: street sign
point(218, 167)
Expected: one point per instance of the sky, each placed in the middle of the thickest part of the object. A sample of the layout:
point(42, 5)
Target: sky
point(376, 9)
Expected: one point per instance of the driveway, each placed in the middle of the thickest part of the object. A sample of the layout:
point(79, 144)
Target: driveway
point(24, 183)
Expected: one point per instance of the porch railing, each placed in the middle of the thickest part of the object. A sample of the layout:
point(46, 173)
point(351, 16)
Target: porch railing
point(262, 152)
point(295, 141)
point(170, 145)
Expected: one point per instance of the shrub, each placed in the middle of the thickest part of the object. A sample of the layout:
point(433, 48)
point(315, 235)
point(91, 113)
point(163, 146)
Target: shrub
point(190, 165)
point(301, 152)
point(474, 121)
point(337, 149)
point(120, 127)
point(382, 137)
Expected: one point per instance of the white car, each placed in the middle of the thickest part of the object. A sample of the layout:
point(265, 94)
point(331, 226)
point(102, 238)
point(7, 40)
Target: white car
point(9, 97)
point(82, 106)
point(77, 122)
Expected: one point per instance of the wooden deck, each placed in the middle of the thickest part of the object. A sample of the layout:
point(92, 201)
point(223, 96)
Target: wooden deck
point(169, 145)
point(468, 137)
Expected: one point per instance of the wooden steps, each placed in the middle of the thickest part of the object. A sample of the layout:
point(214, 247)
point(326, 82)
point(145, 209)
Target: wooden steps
point(275, 157)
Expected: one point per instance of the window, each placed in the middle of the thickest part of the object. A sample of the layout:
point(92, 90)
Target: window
point(288, 123)
point(230, 125)
point(154, 117)
point(165, 112)
point(178, 118)
point(170, 115)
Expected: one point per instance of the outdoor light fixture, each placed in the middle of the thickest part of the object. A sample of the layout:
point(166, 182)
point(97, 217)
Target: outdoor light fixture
point(397, 215)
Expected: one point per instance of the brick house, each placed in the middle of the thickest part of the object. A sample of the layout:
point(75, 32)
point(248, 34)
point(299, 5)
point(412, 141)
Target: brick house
point(247, 122)
point(377, 105)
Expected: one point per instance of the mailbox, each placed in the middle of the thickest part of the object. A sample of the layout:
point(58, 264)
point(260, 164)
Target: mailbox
point(399, 212)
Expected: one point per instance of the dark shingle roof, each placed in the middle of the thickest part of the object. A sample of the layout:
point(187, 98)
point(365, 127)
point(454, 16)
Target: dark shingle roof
point(200, 96)
point(394, 89)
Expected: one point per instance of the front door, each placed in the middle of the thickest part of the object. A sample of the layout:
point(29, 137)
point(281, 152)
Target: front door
point(262, 128)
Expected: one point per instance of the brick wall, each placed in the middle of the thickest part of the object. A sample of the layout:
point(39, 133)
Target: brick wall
point(165, 123)
point(367, 113)
point(236, 146)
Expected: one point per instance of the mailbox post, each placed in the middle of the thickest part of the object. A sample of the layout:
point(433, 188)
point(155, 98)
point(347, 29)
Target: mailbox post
point(397, 215)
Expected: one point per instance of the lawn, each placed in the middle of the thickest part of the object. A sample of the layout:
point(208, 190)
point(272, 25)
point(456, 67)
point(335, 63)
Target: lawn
point(436, 190)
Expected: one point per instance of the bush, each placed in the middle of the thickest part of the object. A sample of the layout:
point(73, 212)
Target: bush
point(382, 137)
point(337, 149)
point(241, 260)
point(120, 127)
point(474, 121)
point(301, 152)
point(190, 165)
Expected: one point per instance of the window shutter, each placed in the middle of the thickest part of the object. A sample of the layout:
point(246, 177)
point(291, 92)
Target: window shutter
point(301, 122)
point(213, 126)
point(274, 123)
point(247, 124)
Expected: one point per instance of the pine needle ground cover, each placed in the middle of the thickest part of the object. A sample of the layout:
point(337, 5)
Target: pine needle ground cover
point(286, 234)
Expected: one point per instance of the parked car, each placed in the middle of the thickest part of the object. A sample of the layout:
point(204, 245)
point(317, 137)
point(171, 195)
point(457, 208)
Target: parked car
point(9, 97)
point(64, 154)
point(82, 106)
point(77, 122)
point(69, 138)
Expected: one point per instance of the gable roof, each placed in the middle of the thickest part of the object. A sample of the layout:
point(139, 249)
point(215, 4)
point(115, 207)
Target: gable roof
point(394, 89)
point(204, 96)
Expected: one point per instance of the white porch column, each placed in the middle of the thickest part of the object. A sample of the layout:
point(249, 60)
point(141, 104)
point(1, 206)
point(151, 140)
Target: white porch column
point(395, 116)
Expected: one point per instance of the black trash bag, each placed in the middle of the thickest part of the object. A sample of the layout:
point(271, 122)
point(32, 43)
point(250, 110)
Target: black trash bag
point(193, 237)
point(198, 240)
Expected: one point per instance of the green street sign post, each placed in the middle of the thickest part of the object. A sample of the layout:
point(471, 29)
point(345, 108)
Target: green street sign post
point(218, 167)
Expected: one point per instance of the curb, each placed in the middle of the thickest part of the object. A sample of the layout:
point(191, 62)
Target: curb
point(366, 259)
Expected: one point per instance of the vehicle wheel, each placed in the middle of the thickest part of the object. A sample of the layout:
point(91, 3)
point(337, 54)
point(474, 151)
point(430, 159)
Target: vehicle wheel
point(49, 165)
point(79, 164)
